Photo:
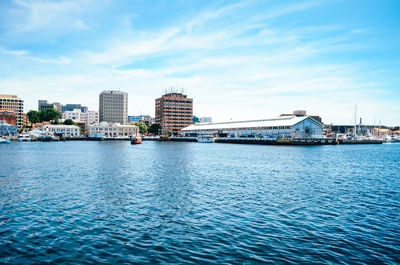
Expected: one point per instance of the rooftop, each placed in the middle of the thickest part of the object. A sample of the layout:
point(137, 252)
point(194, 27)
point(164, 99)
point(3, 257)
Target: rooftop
point(280, 121)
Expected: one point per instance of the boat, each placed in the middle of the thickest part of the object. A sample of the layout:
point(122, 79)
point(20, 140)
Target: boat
point(4, 140)
point(205, 138)
point(136, 139)
point(391, 139)
point(24, 137)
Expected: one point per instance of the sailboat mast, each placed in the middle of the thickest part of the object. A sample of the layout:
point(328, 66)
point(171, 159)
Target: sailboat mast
point(355, 120)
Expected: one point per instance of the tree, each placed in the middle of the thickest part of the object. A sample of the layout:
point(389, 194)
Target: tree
point(142, 127)
point(49, 115)
point(69, 122)
point(34, 116)
point(154, 128)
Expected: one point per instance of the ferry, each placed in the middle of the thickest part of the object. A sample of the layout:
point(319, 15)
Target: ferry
point(24, 137)
point(137, 139)
point(205, 139)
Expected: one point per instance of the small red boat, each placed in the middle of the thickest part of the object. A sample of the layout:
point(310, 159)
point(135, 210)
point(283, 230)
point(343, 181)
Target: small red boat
point(137, 139)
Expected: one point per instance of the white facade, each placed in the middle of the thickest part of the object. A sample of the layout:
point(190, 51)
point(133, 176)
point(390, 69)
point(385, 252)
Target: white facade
point(108, 129)
point(281, 127)
point(89, 117)
point(72, 114)
point(64, 130)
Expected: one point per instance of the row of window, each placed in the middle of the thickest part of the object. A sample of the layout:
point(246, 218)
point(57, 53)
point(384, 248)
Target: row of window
point(10, 100)
point(177, 101)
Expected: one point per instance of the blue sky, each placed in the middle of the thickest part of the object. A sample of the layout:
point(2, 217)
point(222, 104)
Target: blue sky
point(237, 59)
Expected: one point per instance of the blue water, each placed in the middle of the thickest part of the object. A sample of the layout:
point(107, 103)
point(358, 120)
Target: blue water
point(191, 203)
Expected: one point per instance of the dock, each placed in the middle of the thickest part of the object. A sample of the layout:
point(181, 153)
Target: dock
point(283, 141)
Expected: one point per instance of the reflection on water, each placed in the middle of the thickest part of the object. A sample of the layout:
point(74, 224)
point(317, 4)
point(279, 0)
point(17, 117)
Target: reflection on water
point(112, 202)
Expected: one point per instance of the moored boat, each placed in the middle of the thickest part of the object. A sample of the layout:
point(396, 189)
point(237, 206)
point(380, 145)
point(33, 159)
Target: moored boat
point(24, 137)
point(4, 140)
point(205, 139)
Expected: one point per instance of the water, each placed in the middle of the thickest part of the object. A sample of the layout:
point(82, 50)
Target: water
point(191, 203)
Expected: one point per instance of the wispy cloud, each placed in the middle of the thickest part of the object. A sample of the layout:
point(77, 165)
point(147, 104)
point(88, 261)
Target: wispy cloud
point(30, 15)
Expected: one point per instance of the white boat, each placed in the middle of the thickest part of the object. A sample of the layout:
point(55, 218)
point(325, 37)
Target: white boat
point(391, 139)
point(24, 137)
point(4, 140)
point(205, 139)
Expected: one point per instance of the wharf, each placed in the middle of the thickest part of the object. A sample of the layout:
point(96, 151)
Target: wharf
point(270, 141)
point(287, 141)
point(342, 141)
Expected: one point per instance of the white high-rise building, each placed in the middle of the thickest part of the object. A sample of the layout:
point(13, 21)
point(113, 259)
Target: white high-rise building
point(113, 106)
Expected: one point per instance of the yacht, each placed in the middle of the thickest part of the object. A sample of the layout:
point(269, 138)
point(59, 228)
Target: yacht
point(24, 137)
point(205, 139)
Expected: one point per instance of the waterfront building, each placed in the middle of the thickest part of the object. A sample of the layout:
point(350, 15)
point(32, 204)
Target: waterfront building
point(113, 106)
point(7, 129)
point(174, 111)
point(362, 129)
point(146, 119)
point(205, 120)
point(62, 130)
point(280, 127)
point(44, 104)
point(15, 104)
point(109, 129)
point(72, 114)
point(8, 116)
point(71, 107)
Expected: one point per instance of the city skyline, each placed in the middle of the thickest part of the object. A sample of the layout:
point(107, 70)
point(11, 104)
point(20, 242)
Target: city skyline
point(238, 60)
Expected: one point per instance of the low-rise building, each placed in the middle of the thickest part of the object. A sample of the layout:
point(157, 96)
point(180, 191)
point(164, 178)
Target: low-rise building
point(8, 116)
point(72, 115)
point(63, 130)
point(7, 129)
point(146, 119)
point(281, 127)
point(108, 129)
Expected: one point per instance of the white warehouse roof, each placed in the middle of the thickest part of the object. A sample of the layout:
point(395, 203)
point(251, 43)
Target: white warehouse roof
point(280, 121)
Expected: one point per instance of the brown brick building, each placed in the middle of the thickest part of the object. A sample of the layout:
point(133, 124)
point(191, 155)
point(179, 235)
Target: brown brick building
point(8, 116)
point(174, 111)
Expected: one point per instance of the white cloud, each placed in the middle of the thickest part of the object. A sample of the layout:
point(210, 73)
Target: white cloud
point(53, 16)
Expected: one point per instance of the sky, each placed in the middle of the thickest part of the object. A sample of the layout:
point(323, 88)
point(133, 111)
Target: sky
point(238, 60)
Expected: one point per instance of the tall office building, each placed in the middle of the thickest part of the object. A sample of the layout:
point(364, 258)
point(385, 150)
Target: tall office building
point(113, 106)
point(15, 104)
point(174, 111)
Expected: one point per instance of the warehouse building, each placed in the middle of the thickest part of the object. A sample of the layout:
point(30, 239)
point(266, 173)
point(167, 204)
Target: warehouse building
point(281, 127)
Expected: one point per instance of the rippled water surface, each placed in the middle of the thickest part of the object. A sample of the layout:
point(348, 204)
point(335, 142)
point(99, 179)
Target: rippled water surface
point(111, 202)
